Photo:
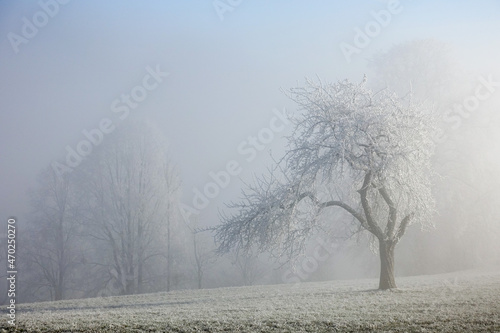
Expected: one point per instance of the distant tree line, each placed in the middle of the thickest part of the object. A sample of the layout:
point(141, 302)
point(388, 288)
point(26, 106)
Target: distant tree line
point(107, 227)
point(112, 227)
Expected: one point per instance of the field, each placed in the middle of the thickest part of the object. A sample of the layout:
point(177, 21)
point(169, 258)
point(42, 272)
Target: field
point(461, 302)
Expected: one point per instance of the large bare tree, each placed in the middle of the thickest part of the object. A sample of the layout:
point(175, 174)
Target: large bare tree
point(365, 153)
point(51, 247)
point(130, 191)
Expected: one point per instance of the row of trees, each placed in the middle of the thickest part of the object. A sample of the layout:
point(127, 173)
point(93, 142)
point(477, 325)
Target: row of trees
point(112, 227)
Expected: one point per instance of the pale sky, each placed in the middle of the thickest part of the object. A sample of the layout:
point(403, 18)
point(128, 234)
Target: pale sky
point(224, 76)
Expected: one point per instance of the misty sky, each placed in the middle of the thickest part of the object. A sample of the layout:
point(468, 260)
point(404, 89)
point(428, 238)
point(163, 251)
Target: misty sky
point(224, 76)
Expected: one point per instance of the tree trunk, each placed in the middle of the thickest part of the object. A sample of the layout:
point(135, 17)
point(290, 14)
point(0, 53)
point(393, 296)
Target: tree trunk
point(200, 279)
point(58, 295)
point(140, 258)
point(387, 281)
point(169, 254)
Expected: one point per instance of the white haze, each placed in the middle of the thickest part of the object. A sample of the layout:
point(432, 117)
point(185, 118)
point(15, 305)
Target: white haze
point(224, 84)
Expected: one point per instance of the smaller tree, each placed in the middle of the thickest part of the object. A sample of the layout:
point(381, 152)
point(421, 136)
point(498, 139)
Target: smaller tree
point(172, 186)
point(363, 152)
point(203, 252)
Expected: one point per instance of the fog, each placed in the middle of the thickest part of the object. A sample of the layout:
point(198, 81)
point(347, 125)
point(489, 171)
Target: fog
point(210, 81)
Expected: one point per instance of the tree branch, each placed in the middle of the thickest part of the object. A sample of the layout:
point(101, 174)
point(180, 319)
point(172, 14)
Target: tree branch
point(341, 204)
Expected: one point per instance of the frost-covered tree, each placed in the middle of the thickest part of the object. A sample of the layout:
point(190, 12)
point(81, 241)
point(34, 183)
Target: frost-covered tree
point(365, 153)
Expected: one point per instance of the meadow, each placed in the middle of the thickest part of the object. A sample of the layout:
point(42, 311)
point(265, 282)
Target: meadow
point(454, 302)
